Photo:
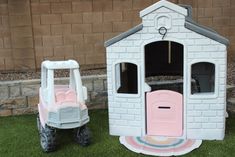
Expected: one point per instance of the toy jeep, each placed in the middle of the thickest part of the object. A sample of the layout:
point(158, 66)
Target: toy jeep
point(62, 106)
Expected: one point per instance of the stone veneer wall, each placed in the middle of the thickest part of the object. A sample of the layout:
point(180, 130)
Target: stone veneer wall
point(35, 30)
point(21, 97)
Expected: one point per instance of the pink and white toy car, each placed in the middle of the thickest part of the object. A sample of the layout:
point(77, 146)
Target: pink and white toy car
point(62, 106)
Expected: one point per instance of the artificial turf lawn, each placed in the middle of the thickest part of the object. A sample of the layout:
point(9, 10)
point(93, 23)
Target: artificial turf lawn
point(19, 137)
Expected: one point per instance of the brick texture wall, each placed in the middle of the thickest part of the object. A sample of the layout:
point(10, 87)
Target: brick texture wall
point(35, 30)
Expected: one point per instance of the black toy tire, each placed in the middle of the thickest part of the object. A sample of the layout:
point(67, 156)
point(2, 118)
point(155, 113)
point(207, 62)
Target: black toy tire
point(83, 136)
point(47, 137)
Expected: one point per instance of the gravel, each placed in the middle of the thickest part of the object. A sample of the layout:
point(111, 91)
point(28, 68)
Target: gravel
point(28, 75)
point(87, 70)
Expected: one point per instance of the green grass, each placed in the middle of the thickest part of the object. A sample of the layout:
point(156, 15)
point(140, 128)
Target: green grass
point(19, 137)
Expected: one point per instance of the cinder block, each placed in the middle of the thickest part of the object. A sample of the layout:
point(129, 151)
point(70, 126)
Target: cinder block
point(112, 16)
point(99, 48)
point(5, 32)
point(51, 19)
point(221, 21)
point(102, 5)
point(102, 27)
point(83, 49)
point(131, 15)
point(82, 6)
point(44, 52)
point(14, 103)
point(63, 29)
point(88, 84)
point(9, 64)
point(204, 3)
point(15, 91)
point(4, 94)
point(119, 5)
point(37, 41)
point(41, 30)
point(192, 3)
point(30, 90)
point(3, 9)
point(2, 64)
point(33, 101)
point(92, 17)
point(36, 20)
point(24, 64)
point(23, 53)
point(98, 85)
point(5, 112)
point(40, 8)
point(1, 43)
point(20, 20)
point(62, 7)
point(25, 31)
point(93, 38)
point(213, 12)
point(5, 21)
point(73, 39)
point(81, 28)
point(22, 42)
point(207, 21)
point(141, 4)
point(19, 9)
point(121, 26)
point(50, 41)
point(17, 1)
point(81, 58)
point(62, 51)
point(108, 36)
point(95, 59)
point(72, 18)
point(218, 3)
point(20, 111)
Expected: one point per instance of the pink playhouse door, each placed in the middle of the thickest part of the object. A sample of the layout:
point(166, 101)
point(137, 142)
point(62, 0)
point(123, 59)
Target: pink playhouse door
point(164, 113)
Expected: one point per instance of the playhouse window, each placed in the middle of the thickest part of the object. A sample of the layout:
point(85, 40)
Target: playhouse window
point(126, 78)
point(204, 75)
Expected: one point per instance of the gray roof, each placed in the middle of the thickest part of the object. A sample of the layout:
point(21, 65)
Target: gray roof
point(123, 35)
point(189, 24)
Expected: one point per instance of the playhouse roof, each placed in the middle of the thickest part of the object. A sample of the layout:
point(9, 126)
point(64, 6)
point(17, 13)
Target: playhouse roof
point(189, 23)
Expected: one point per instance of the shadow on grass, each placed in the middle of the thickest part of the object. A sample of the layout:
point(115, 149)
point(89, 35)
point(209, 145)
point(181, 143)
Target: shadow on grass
point(19, 137)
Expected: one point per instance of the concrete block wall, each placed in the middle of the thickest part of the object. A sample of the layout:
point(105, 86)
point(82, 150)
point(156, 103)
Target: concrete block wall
point(21, 97)
point(34, 30)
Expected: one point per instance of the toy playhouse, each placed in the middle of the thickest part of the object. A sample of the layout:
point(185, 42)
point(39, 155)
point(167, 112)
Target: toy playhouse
point(167, 77)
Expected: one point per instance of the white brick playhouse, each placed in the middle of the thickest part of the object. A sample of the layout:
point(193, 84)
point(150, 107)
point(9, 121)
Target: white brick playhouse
point(167, 77)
